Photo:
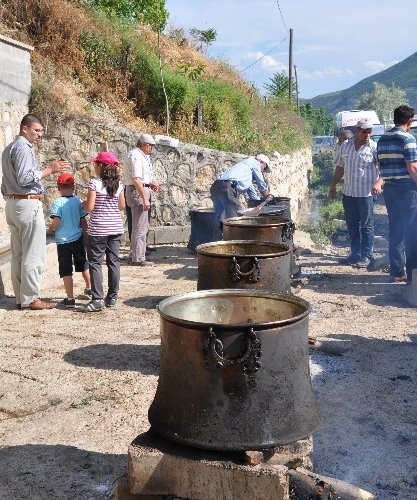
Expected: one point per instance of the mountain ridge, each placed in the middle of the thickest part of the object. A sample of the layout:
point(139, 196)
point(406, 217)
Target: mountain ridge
point(402, 74)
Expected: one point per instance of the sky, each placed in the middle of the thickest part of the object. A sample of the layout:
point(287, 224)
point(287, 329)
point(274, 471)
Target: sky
point(335, 44)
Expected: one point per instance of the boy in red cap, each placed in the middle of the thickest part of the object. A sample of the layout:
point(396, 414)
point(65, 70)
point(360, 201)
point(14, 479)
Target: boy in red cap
point(69, 224)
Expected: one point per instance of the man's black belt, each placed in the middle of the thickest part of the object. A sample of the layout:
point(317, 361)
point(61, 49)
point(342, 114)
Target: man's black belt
point(147, 185)
point(393, 180)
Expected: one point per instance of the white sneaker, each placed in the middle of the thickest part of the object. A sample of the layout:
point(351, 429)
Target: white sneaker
point(146, 263)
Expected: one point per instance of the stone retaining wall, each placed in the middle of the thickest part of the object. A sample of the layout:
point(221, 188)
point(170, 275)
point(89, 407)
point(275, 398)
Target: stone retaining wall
point(184, 173)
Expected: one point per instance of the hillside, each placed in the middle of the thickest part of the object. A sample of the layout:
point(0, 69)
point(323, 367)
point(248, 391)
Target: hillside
point(107, 68)
point(402, 74)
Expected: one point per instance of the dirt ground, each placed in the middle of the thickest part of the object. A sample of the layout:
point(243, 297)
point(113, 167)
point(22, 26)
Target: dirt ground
point(75, 388)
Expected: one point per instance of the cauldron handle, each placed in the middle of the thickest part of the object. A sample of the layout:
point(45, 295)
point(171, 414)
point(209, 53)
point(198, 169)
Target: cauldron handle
point(235, 273)
point(249, 361)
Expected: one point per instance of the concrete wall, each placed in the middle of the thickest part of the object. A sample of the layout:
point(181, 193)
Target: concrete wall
point(15, 83)
point(184, 173)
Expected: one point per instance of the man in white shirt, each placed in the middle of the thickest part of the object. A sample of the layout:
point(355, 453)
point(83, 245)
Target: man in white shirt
point(138, 176)
point(357, 163)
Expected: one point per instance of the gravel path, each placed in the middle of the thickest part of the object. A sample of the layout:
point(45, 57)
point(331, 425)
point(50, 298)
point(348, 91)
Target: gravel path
point(75, 388)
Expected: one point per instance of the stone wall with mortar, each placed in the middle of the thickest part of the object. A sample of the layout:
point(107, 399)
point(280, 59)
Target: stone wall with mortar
point(184, 173)
point(15, 82)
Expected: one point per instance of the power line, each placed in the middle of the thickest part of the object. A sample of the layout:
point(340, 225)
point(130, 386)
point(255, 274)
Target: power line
point(282, 17)
point(263, 55)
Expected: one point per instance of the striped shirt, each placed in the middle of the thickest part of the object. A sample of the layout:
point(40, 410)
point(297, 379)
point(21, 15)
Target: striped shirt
point(105, 218)
point(360, 168)
point(395, 149)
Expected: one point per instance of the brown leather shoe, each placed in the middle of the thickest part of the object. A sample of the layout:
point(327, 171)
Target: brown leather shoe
point(38, 305)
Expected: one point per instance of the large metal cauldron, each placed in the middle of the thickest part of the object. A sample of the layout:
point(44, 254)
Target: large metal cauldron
point(261, 228)
point(234, 371)
point(244, 264)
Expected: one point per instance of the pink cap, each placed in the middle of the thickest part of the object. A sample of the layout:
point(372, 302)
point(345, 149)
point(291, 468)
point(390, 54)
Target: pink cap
point(106, 157)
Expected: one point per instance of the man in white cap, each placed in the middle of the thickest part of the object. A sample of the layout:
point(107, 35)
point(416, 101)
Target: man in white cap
point(237, 179)
point(357, 163)
point(138, 176)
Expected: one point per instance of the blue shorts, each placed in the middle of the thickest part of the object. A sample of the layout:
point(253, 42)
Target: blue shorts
point(69, 253)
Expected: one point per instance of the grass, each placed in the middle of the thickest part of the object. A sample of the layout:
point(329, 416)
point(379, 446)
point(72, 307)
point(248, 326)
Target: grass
point(92, 396)
point(330, 210)
point(88, 58)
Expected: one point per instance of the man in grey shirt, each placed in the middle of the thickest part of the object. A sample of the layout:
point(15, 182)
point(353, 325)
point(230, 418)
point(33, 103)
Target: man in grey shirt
point(22, 189)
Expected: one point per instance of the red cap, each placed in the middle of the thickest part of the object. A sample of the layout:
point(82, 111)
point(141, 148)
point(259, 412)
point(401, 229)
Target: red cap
point(65, 179)
point(106, 157)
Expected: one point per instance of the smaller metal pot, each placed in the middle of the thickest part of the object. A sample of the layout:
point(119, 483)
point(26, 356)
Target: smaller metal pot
point(244, 264)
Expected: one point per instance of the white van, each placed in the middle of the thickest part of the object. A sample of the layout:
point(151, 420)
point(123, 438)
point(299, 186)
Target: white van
point(347, 120)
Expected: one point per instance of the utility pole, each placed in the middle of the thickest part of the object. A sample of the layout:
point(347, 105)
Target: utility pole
point(290, 68)
point(296, 86)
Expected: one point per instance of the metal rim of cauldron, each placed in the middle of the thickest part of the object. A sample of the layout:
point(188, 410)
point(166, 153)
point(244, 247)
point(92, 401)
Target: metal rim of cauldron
point(203, 249)
point(227, 292)
point(240, 221)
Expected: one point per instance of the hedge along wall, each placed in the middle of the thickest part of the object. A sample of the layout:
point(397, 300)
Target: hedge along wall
point(185, 174)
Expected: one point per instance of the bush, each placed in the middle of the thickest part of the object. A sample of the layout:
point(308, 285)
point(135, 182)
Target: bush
point(323, 169)
point(116, 61)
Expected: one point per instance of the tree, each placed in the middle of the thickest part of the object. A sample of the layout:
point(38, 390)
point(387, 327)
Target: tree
point(383, 100)
point(279, 86)
point(203, 37)
point(151, 12)
point(320, 122)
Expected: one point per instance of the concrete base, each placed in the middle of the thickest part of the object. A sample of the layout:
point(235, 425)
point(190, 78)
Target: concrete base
point(163, 235)
point(159, 467)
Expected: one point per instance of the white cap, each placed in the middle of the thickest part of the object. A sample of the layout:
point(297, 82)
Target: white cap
point(364, 124)
point(265, 159)
point(146, 139)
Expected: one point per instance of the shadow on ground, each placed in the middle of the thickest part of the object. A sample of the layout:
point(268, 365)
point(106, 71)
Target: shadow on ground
point(126, 357)
point(375, 286)
point(38, 472)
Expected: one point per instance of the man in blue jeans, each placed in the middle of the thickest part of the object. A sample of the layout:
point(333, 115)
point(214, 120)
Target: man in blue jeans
point(357, 163)
point(397, 156)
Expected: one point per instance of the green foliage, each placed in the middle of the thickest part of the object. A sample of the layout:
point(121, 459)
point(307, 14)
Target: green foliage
point(330, 209)
point(323, 168)
point(96, 49)
point(151, 12)
point(192, 72)
point(150, 99)
point(203, 37)
point(384, 99)
point(279, 86)
point(320, 122)
point(329, 212)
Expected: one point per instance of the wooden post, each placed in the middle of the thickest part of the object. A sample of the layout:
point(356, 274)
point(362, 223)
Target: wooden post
point(290, 68)
point(200, 114)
